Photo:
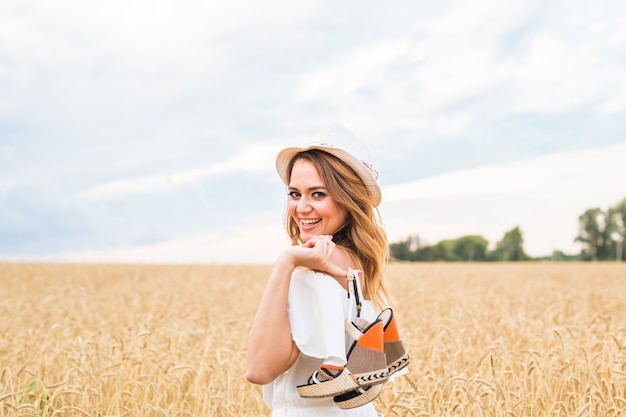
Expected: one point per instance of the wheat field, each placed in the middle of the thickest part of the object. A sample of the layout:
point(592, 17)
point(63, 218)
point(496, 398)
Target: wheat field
point(528, 339)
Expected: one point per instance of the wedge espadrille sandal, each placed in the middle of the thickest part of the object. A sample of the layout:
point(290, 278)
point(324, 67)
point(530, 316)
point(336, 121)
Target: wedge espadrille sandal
point(396, 359)
point(366, 365)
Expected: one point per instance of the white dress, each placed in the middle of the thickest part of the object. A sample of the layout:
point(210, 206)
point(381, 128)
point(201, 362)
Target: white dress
point(318, 309)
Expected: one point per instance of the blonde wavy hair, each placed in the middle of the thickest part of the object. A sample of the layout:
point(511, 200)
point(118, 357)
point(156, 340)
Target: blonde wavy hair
point(362, 235)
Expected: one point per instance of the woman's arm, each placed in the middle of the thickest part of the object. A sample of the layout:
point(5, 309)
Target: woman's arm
point(271, 350)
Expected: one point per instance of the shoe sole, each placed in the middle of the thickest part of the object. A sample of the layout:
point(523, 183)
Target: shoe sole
point(349, 400)
point(398, 364)
point(345, 382)
point(366, 358)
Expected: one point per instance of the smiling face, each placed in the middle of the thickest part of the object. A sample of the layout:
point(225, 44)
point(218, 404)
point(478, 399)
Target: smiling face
point(309, 204)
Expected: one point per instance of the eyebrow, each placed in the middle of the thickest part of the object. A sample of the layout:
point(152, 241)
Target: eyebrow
point(320, 187)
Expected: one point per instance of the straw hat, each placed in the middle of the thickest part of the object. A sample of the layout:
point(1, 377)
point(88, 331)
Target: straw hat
point(341, 143)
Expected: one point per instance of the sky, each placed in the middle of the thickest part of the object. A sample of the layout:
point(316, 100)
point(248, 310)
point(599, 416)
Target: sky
point(146, 131)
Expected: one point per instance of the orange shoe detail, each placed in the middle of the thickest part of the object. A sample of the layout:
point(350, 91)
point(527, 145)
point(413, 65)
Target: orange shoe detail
point(333, 367)
point(391, 332)
point(373, 338)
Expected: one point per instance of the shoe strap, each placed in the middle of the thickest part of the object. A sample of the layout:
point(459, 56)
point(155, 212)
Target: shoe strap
point(352, 331)
point(354, 287)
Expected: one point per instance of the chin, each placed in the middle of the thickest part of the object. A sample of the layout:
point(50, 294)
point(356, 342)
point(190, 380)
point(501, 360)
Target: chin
point(308, 235)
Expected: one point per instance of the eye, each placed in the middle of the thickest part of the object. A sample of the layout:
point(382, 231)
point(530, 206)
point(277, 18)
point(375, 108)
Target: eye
point(293, 195)
point(319, 194)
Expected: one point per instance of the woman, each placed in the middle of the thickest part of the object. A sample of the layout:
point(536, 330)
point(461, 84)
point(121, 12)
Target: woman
point(297, 342)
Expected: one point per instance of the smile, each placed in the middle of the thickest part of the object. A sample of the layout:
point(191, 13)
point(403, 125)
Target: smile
point(309, 223)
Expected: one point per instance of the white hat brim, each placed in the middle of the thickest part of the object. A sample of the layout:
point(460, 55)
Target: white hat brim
point(285, 157)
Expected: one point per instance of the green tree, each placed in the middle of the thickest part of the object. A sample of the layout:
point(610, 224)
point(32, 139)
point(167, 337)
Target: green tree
point(404, 250)
point(400, 250)
point(618, 230)
point(431, 253)
point(589, 232)
point(619, 212)
point(593, 232)
point(471, 248)
point(466, 248)
point(559, 256)
point(510, 248)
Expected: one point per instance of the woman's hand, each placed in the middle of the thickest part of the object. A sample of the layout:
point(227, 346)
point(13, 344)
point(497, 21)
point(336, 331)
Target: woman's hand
point(316, 254)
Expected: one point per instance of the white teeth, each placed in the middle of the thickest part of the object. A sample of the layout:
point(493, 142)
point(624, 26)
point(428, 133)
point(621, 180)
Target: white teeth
point(309, 222)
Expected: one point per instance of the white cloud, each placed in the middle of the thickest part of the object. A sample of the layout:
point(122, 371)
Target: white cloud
point(5, 187)
point(571, 172)
point(166, 31)
point(543, 195)
point(360, 69)
point(132, 65)
point(479, 60)
point(7, 151)
point(252, 157)
point(251, 244)
point(558, 76)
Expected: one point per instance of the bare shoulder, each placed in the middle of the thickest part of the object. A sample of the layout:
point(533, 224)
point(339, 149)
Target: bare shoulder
point(344, 260)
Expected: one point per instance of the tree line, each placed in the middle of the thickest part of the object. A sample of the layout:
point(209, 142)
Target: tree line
point(602, 234)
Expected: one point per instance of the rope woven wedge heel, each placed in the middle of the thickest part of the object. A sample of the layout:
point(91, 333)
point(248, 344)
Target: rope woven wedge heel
point(366, 365)
point(397, 359)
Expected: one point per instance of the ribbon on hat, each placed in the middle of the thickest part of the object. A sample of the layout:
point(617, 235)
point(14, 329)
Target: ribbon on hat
point(371, 168)
point(367, 164)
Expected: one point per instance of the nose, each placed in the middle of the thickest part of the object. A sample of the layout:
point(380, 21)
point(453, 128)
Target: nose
point(303, 205)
